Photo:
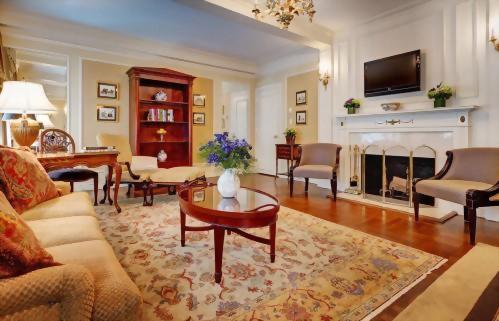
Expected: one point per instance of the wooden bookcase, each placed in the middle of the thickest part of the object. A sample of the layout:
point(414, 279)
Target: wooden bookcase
point(177, 142)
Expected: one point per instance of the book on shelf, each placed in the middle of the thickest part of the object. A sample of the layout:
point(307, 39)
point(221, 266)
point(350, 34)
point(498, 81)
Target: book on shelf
point(162, 115)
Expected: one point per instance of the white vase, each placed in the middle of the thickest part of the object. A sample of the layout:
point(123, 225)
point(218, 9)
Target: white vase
point(162, 156)
point(228, 183)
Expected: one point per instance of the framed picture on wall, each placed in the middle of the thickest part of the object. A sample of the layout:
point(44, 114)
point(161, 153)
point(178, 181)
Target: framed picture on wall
point(107, 113)
point(301, 97)
point(198, 118)
point(199, 100)
point(107, 90)
point(301, 117)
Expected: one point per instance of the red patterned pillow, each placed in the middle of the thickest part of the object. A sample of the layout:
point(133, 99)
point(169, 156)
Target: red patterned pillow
point(23, 179)
point(20, 250)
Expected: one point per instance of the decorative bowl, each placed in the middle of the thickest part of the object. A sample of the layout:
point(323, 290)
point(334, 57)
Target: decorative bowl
point(390, 106)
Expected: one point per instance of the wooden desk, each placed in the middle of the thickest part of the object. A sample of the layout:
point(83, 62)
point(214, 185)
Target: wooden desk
point(289, 152)
point(53, 161)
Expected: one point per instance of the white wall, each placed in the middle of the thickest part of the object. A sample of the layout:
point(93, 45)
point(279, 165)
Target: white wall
point(453, 37)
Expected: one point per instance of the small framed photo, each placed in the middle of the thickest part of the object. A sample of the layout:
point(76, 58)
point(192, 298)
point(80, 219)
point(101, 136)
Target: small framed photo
point(301, 117)
point(107, 90)
point(198, 118)
point(198, 196)
point(199, 100)
point(301, 97)
point(107, 113)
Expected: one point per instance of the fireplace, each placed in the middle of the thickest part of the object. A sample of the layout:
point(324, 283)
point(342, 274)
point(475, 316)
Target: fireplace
point(387, 174)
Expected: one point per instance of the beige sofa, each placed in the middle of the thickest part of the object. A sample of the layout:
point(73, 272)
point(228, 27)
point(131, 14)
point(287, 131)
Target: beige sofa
point(89, 285)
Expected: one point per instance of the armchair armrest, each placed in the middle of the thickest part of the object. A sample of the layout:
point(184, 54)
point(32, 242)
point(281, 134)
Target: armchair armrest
point(144, 162)
point(440, 174)
point(298, 160)
point(72, 286)
point(482, 197)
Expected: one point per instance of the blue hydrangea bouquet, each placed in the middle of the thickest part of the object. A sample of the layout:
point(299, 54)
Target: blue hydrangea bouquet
point(228, 152)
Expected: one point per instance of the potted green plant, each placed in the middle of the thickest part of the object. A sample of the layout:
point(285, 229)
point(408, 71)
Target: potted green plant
point(352, 105)
point(440, 94)
point(290, 134)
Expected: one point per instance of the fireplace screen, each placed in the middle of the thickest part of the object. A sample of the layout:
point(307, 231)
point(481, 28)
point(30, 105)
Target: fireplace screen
point(388, 174)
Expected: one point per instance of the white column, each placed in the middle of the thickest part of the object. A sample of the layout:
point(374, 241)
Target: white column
point(325, 100)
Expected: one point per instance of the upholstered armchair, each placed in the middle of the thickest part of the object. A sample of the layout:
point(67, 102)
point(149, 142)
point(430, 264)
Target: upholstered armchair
point(470, 177)
point(320, 161)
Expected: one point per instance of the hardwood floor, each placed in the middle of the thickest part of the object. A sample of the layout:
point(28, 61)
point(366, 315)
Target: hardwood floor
point(448, 240)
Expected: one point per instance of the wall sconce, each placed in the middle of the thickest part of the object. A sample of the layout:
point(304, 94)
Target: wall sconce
point(324, 78)
point(494, 41)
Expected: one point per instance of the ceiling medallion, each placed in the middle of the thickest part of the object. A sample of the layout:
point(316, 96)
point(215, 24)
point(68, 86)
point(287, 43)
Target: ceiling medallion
point(285, 10)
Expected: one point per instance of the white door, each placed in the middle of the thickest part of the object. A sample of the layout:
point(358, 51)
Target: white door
point(269, 125)
point(239, 118)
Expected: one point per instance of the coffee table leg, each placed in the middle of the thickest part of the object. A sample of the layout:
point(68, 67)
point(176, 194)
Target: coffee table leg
point(219, 249)
point(182, 228)
point(272, 229)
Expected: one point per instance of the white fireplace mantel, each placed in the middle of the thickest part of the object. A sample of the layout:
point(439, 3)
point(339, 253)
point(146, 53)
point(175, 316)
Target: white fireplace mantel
point(441, 129)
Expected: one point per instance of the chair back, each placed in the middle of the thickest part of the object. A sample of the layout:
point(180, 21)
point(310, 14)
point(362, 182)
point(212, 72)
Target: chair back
point(56, 140)
point(119, 142)
point(319, 154)
point(478, 164)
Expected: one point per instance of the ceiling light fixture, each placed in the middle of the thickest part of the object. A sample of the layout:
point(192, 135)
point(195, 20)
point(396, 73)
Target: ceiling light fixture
point(285, 10)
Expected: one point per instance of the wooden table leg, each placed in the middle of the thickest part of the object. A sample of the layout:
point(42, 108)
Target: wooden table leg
point(219, 249)
point(182, 228)
point(272, 229)
point(110, 170)
point(117, 181)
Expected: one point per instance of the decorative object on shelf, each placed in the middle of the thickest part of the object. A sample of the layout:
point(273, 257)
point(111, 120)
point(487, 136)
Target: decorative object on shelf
point(22, 97)
point(301, 97)
point(285, 10)
point(352, 105)
point(324, 78)
point(231, 154)
point(199, 100)
point(390, 106)
point(290, 134)
point(160, 96)
point(440, 94)
point(198, 118)
point(162, 155)
point(301, 117)
point(161, 132)
point(107, 113)
point(107, 90)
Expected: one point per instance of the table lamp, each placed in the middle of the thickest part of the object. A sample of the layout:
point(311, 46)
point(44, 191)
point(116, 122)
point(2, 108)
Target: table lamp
point(23, 97)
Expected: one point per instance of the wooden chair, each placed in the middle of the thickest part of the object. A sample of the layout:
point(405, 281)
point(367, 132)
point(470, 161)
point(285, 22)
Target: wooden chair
point(57, 140)
point(319, 161)
point(470, 177)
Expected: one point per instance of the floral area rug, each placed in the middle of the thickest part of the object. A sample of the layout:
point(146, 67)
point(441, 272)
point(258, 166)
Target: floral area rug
point(323, 271)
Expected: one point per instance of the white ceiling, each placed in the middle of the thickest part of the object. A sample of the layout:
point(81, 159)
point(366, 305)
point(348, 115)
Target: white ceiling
point(181, 23)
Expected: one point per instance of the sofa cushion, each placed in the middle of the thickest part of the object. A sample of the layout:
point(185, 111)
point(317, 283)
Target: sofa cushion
point(65, 230)
point(64, 188)
point(20, 250)
point(116, 296)
point(314, 171)
point(74, 204)
point(23, 179)
point(179, 174)
point(449, 190)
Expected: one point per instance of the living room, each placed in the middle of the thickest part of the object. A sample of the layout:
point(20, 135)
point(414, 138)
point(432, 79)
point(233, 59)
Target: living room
point(249, 160)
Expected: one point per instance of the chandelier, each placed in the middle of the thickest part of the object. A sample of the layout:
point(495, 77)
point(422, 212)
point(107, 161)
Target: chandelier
point(285, 10)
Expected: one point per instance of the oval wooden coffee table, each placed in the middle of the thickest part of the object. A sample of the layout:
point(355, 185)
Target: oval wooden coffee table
point(249, 209)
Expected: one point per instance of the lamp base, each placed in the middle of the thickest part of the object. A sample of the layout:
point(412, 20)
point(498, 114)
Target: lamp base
point(24, 130)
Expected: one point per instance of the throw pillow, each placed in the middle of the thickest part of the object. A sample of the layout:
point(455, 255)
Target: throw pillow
point(20, 250)
point(23, 179)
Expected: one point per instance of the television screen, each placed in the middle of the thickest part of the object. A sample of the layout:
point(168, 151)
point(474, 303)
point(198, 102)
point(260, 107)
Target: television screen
point(393, 75)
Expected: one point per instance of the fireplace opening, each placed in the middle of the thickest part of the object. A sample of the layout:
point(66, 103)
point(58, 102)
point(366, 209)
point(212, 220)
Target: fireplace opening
point(397, 184)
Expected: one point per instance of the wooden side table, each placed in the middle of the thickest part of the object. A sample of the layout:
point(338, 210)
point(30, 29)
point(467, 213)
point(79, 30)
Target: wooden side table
point(53, 161)
point(288, 152)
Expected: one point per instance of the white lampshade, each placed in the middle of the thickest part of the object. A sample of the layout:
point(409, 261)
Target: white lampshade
point(23, 97)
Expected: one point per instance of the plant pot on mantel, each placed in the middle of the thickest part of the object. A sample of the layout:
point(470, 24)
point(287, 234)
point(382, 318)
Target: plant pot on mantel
point(351, 110)
point(439, 102)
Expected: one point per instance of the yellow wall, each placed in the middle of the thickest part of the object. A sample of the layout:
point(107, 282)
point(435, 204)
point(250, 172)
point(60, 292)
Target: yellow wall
point(202, 133)
point(307, 81)
point(94, 72)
